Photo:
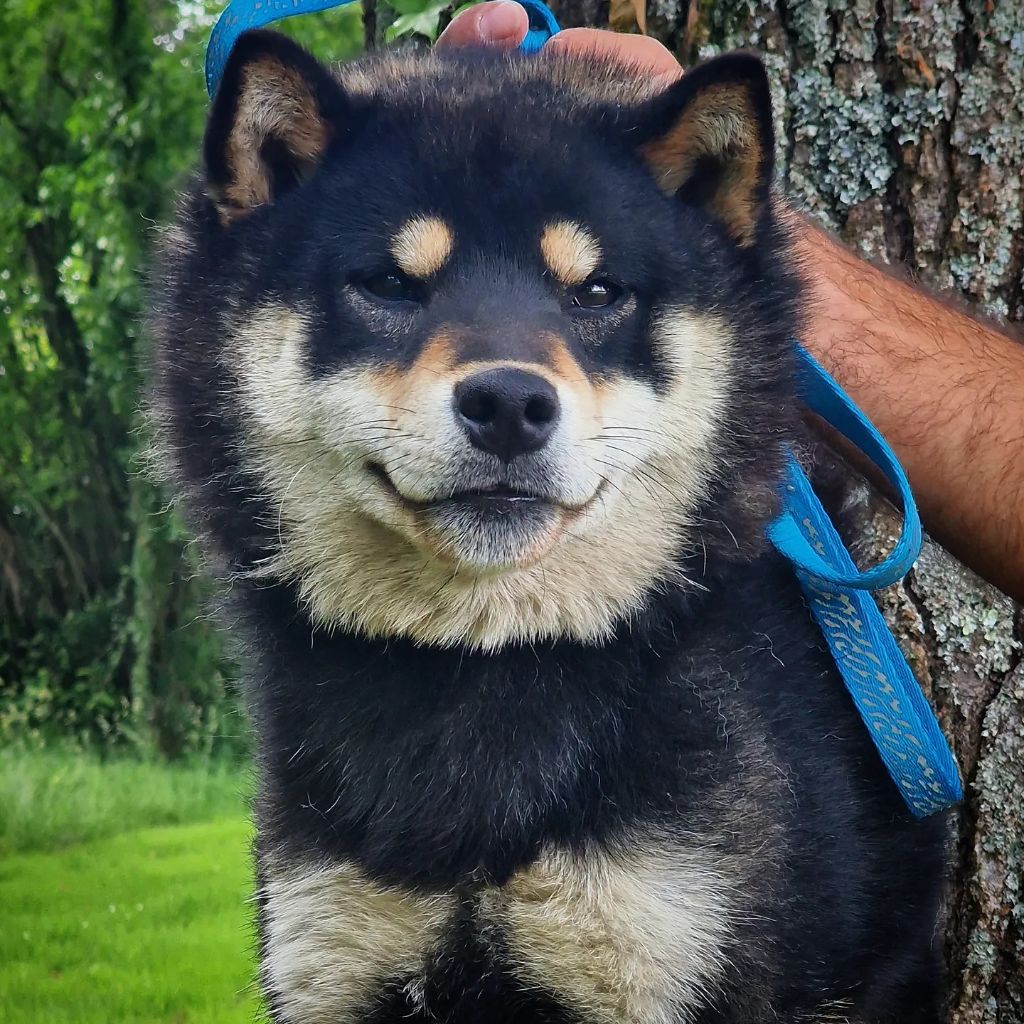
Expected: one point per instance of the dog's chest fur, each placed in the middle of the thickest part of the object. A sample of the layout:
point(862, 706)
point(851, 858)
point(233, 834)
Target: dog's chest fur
point(427, 865)
point(493, 848)
point(603, 935)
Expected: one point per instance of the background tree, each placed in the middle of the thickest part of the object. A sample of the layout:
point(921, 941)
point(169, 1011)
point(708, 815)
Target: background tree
point(94, 595)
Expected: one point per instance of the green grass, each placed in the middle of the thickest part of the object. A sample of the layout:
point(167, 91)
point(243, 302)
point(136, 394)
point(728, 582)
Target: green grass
point(51, 799)
point(152, 926)
point(106, 919)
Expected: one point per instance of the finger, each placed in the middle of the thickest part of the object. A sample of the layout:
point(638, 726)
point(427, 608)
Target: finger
point(643, 53)
point(500, 23)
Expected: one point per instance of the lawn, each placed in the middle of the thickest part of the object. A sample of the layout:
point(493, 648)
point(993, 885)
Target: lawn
point(150, 925)
point(52, 798)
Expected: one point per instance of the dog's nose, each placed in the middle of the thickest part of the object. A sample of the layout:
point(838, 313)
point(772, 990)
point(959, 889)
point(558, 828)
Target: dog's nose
point(507, 412)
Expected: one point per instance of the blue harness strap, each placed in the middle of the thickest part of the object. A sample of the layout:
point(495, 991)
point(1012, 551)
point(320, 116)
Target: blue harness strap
point(877, 676)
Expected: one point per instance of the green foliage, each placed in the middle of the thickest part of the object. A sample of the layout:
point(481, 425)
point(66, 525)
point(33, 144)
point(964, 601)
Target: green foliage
point(153, 927)
point(103, 630)
point(421, 18)
point(416, 18)
point(59, 796)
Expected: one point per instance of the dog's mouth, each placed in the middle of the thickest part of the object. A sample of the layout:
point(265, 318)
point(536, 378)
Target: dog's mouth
point(497, 499)
point(495, 526)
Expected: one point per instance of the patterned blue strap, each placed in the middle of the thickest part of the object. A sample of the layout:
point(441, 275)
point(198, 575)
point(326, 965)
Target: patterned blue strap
point(899, 719)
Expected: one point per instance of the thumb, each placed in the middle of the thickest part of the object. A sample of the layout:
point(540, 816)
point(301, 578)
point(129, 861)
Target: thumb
point(500, 23)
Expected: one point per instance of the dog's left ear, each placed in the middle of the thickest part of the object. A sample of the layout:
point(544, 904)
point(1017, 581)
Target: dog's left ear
point(709, 139)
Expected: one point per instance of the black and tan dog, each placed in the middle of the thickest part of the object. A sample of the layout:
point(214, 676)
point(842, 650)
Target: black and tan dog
point(474, 374)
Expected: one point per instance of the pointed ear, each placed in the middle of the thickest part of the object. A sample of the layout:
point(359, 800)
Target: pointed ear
point(709, 139)
point(275, 113)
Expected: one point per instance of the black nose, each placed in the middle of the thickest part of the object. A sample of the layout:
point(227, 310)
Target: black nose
point(507, 412)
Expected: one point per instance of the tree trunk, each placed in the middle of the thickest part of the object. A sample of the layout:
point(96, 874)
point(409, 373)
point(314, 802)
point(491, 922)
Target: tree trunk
point(901, 126)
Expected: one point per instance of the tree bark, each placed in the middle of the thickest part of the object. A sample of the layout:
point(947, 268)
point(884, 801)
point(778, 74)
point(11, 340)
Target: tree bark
point(901, 127)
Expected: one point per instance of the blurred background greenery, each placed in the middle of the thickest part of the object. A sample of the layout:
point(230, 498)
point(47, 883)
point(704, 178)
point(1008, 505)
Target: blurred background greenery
point(124, 867)
point(104, 640)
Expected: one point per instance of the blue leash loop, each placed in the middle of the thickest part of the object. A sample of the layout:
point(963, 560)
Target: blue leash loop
point(542, 25)
point(899, 719)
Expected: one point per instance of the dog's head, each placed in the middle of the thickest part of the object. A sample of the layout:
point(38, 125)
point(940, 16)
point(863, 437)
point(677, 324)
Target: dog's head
point(478, 349)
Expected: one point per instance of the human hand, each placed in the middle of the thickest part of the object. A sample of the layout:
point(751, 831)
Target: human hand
point(503, 24)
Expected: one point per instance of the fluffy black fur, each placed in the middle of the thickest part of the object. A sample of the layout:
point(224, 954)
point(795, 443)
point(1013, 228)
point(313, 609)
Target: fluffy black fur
point(451, 769)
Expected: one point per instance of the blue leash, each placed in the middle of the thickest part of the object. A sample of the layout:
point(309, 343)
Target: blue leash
point(899, 718)
point(897, 715)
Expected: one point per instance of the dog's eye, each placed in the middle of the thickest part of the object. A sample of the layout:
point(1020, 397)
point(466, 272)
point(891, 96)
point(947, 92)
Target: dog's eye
point(390, 286)
point(598, 293)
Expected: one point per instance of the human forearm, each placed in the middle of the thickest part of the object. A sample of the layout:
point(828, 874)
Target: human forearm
point(947, 392)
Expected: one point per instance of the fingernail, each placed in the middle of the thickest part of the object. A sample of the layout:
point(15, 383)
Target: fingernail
point(500, 21)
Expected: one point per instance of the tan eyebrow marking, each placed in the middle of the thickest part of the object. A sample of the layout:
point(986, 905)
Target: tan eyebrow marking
point(570, 251)
point(422, 246)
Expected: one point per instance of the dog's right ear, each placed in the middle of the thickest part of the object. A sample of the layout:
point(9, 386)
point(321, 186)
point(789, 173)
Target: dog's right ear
point(276, 112)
